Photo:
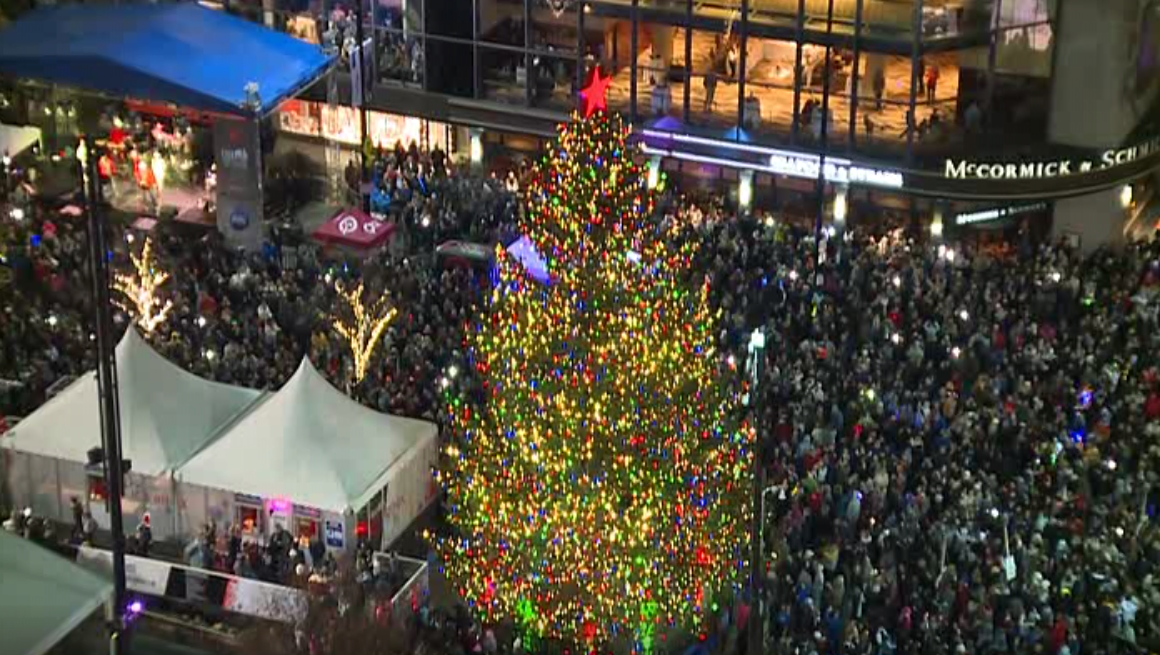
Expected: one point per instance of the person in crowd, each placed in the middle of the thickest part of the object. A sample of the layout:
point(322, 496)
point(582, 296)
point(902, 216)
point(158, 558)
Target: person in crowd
point(932, 74)
point(78, 517)
point(879, 81)
point(144, 535)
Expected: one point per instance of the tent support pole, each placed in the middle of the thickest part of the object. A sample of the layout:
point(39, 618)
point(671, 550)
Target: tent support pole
point(176, 506)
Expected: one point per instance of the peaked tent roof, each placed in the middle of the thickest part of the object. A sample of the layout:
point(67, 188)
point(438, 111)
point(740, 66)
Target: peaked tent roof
point(315, 446)
point(179, 52)
point(167, 414)
point(43, 596)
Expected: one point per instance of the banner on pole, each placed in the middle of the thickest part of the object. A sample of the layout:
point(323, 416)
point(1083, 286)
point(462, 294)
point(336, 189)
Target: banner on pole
point(238, 156)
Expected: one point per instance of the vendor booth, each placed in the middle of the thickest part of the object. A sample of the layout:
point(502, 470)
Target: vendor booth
point(43, 597)
point(167, 415)
point(310, 459)
point(355, 230)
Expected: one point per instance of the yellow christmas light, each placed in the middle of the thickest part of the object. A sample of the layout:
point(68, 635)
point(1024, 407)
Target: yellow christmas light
point(363, 334)
point(140, 290)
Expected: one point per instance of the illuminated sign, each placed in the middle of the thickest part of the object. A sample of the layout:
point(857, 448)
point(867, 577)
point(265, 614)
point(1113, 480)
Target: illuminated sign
point(780, 162)
point(964, 170)
point(988, 215)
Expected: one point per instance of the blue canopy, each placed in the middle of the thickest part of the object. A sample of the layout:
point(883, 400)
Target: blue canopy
point(181, 53)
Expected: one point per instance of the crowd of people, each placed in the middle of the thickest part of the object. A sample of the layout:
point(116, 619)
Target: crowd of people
point(959, 446)
point(960, 449)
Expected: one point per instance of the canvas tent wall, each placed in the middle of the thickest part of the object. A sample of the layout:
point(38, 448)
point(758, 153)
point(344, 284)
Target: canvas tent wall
point(308, 453)
point(167, 415)
point(43, 596)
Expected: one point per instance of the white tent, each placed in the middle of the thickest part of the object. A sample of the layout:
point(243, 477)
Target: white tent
point(310, 452)
point(43, 596)
point(167, 414)
point(16, 139)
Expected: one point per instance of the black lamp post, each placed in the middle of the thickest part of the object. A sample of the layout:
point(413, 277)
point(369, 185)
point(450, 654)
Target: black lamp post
point(110, 411)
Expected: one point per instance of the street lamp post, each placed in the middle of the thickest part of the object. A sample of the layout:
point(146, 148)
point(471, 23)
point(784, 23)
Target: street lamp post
point(109, 404)
point(7, 161)
point(753, 369)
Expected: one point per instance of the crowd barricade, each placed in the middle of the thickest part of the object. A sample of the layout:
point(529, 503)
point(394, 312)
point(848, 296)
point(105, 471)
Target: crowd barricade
point(201, 588)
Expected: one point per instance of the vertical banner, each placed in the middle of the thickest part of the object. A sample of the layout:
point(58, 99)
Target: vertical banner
point(362, 71)
point(357, 85)
point(238, 155)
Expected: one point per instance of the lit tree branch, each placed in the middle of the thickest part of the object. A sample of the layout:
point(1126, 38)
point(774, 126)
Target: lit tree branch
point(363, 333)
point(141, 290)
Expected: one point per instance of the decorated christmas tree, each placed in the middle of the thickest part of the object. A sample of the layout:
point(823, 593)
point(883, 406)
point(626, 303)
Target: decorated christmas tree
point(602, 491)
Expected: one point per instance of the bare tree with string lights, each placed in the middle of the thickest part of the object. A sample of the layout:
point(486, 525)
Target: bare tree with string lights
point(140, 290)
point(363, 326)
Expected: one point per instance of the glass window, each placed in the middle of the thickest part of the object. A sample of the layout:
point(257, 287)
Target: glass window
point(504, 75)
point(945, 18)
point(883, 102)
point(400, 57)
point(553, 82)
point(661, 71)
point(501, 22)
point(554, 28)
point(883, 19)
point(607, 43)
point(1015, 13)
point(1024, 51)
point(769, 86)
point(714, 78)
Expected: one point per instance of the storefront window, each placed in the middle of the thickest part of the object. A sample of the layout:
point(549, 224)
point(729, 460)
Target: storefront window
point(305, 527)
point(501, 22)
point(675, 6)
point(608, 42)
point(554, 27)
point(341, 123)
point(769, 87)
point(1024, 51)
point(660, 71)
point(716, 58)
point(1017, 13)
point(554, 82)
point(881, 19)
point(883, 102)
point(504, 75)
point(947, 18)
point(249, 518)
point(400, 57)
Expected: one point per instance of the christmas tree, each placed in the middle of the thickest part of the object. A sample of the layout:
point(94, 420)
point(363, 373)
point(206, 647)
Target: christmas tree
point(603, 489)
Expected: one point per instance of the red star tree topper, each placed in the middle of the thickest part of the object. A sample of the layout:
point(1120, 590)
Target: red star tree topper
point(595, 95)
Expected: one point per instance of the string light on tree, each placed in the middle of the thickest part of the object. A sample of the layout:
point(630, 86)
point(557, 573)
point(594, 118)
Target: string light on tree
point(602, 491)
point(362, 334)
point(141, 290)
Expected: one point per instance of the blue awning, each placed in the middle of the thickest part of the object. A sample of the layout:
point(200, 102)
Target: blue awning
point(181, 53)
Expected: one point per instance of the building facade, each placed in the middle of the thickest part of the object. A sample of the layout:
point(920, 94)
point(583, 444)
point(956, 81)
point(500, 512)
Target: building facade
point(938, 108)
